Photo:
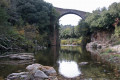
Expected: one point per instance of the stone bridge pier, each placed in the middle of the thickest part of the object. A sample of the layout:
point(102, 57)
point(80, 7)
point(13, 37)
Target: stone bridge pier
point(55, 37)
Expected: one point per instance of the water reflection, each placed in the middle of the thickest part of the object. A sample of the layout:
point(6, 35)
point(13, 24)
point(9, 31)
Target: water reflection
point(69, 66)
point(69, 69)
point(68, 57)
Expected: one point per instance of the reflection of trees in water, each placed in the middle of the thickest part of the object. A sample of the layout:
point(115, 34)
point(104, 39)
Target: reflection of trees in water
point(78, 54)
point(71, 48)
point(70, 52)
point(65, 56)
point(45, 57)
point(73, 53)
point(5, 70)
point(95, 72)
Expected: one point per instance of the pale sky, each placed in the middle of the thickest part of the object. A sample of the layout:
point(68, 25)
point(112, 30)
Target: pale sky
point(83, 5)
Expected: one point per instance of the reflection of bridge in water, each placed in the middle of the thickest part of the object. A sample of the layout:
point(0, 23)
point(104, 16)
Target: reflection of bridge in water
point(55, 36)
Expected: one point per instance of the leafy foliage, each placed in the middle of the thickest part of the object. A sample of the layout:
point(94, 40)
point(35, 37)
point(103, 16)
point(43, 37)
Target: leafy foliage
point(82, 29)
point(35, 12)
point(67, 31)
point(100, 19)
point(24, 21)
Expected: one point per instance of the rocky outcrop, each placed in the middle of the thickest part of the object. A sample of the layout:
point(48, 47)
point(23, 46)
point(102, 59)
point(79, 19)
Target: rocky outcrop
point(18, 76)
point(18, 59)
point(16, 62)
point(101, 36)
point(100, 40)
point(95, 45)
point(35, 72)
point(20, 56)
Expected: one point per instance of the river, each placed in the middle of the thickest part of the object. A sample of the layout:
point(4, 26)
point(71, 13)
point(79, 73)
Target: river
point(70, 62)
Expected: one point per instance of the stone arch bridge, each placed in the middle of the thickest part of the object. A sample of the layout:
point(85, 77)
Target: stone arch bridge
point(55, 37)
point(63, 12)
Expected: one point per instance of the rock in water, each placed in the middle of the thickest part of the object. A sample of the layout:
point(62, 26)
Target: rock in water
point(16, 62)
point(18, 76)
point(83, 63)
point(33, 68)
point(22, 56)
point(50, 71)
point(40, 74)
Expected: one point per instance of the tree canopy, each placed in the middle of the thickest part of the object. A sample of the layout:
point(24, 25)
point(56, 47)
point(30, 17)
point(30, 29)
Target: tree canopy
point(24, 21)
point(100, 19)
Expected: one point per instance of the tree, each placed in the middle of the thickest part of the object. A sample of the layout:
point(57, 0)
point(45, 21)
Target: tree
point(67, 31)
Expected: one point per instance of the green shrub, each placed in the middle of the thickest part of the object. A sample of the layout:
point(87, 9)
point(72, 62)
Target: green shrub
point(117, 31)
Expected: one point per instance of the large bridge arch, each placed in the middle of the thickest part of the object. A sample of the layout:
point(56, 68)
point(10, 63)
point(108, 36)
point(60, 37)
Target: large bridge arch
point(55, 37)
point(63, 12)
point(68, 14)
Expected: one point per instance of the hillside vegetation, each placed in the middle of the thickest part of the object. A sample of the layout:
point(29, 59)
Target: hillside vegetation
point(22, 22)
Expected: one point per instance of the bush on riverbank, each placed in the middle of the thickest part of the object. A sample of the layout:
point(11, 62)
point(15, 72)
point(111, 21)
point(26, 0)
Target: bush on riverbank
point(71, 41)
point(117, 36)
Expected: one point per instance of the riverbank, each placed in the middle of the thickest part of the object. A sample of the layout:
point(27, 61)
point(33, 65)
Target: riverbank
point(108, 55)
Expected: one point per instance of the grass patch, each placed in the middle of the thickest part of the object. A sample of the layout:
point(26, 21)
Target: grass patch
point(71, 41)
point(107, 51)
point(116, 55)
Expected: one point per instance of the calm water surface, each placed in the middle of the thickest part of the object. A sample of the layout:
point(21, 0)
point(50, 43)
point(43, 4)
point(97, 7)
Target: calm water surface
point(67, 62)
